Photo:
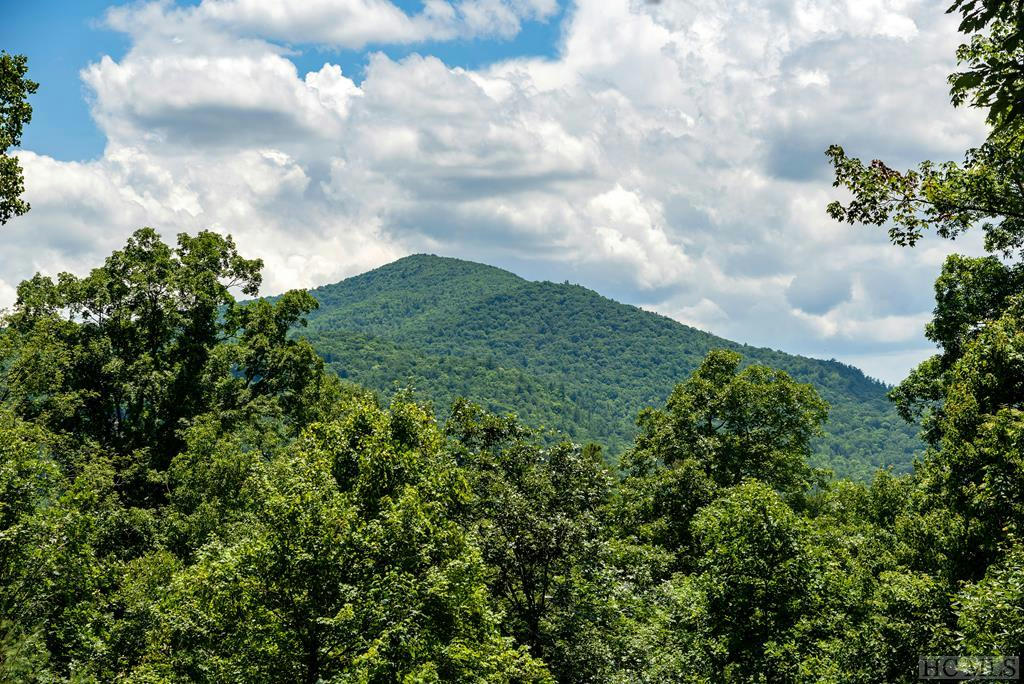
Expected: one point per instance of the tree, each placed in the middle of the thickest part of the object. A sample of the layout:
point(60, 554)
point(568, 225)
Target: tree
point(719, 427)
point(994, 79)
point(536, 514)
point(991, 611)
point(15, 112)
point(988, 186)
point(346, 562)
point(62, 540)
point(970, 294)
point(968, 396)
point(734, 424)
point(871, 605)
point(27, 480)
point(129, 355)
point(106, 382)
point(950, 198)
point(754, 573)
point(655, 505)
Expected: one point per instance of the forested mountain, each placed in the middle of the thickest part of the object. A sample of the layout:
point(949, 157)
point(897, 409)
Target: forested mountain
point(189, 494)
point(563, 356)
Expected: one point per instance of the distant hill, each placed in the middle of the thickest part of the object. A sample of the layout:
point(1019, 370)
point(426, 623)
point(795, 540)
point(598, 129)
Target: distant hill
point(562, 356)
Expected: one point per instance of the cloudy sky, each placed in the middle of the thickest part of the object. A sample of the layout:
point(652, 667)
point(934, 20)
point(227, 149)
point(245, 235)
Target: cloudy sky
point(667, 154)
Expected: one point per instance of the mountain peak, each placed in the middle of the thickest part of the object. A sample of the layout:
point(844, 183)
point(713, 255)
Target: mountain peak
point(425, 271)
point(432, 264)
point(408, 286)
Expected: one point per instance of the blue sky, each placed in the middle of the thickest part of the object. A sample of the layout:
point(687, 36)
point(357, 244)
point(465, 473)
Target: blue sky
point(60, 37)
point(668, 154)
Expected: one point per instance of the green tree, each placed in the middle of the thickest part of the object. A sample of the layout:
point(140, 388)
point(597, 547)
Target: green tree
point(872, 605)
point(968, 396)
point(346, 563)
point(127, 356)
point(753, 573)
point(958, 589)
point(537, 517)
point(27, 480)
point(948, 198)
point(991, 611)
point(15, 112)
point(61, 545)
point(120, 395)
point(994, 78)
point(986, 188)
point(735, 424)
point(720, 427)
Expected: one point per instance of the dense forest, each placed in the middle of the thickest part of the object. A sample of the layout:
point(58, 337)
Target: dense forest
point(188, 492)
point(563, 357)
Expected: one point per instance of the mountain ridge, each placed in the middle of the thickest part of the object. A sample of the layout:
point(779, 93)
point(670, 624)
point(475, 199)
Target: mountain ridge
point(563, 355)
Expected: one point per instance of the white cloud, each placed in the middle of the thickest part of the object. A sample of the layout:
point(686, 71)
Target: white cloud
point(625, 229)
point(671, 155)
point(335, 23)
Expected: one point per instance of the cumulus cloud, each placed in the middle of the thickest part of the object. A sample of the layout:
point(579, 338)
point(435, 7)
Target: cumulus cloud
point(334, 23)
point(671, 154)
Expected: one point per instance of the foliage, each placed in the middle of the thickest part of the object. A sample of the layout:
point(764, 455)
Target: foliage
point(991, 611)
point(959, 528)
point(752, 574)
point(993, 57)
point(127, 356)
point(15, 113)
point(344, 563)
point(754, 423)
point(949, 198)
point(188, 494)
point(969, 397)
point(536, 515)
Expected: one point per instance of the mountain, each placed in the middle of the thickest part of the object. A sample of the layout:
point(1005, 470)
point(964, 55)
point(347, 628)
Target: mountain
point(563, 357)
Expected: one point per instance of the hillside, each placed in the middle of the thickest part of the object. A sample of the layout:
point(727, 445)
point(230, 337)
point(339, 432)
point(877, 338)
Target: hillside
point(562, 356)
